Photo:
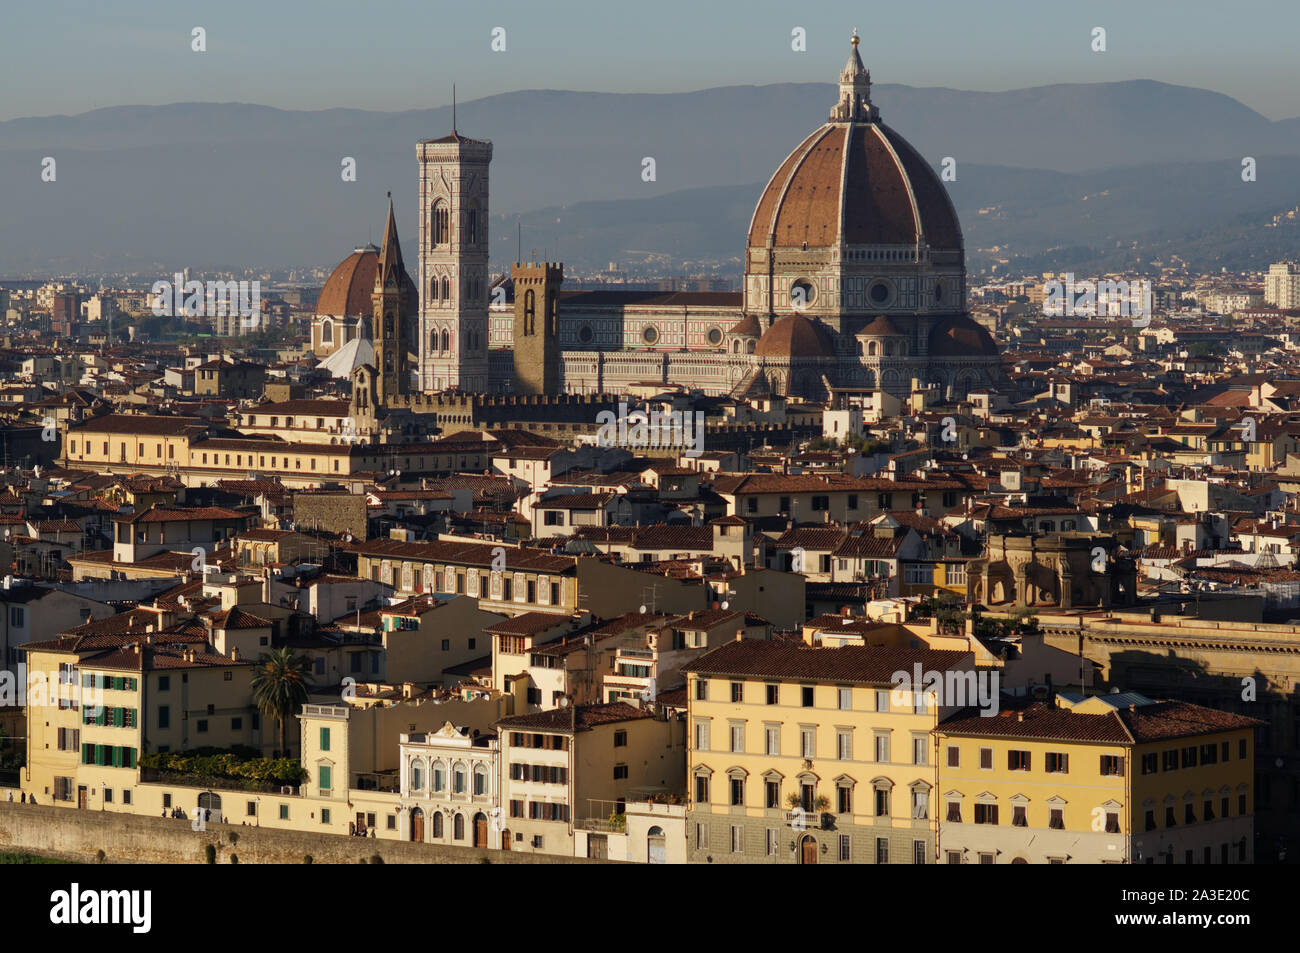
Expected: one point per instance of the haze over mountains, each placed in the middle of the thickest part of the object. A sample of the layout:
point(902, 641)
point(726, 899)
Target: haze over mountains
point(1099, 174)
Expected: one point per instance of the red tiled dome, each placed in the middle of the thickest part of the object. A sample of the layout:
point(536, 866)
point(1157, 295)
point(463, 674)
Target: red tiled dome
point(864, 177)
point(961, 337)
point(795, 336)
point(347, 292)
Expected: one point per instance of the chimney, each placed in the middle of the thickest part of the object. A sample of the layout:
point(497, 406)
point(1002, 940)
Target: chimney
point(740, 634)
point(234, 653)
point(1020, 716)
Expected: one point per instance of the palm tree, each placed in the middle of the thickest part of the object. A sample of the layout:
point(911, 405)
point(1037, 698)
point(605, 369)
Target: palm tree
point(279, 686)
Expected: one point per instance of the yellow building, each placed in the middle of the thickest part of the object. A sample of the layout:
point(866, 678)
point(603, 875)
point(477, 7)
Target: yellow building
point(118, 689)
point(578, 767)
point(1103, 779)
point(803, 754)
point(182, 447)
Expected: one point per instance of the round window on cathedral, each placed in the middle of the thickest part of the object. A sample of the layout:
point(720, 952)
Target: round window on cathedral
point(585, 334)
point(650, 335)
point(802, 294)
point(880, 292)
point(715, 336)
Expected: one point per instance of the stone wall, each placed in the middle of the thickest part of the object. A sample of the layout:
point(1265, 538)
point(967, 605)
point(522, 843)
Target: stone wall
point(127, 838)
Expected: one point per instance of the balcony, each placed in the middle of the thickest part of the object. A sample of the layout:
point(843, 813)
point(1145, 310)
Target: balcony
point(809, 820)
point(636, 653)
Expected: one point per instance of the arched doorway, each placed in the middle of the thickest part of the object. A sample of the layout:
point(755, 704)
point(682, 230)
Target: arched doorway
point(417, 825)
point(210, 804)
point(480, 830)
point(656, 846)
point(808, 850)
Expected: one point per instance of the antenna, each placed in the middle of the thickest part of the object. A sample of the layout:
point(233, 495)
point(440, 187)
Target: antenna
point(453, 109)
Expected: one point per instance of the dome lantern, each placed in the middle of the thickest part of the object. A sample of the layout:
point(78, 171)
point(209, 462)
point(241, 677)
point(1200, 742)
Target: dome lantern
point(854, 104)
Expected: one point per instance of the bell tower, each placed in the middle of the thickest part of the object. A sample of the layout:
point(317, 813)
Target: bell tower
point(454, 279)
point(391, 306)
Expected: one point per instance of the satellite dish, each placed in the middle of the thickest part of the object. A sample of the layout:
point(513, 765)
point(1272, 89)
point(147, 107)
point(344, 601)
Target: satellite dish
point(564, 701)
point(726, 605)
point(642, 610)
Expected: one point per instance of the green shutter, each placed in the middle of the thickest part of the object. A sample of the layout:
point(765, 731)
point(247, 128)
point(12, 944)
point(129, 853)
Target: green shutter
point(325, 779)
point(324, 739)
point(87, 754)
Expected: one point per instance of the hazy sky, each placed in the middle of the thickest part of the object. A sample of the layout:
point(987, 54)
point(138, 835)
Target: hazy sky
point(70, 56)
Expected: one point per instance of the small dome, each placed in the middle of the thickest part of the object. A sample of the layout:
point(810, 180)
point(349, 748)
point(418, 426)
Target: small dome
point(747, 326)
point(795, 336)
point(881, 327)
point(961, 337)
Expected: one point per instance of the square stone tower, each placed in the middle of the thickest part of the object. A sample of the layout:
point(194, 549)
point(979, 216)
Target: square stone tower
point(537, 334)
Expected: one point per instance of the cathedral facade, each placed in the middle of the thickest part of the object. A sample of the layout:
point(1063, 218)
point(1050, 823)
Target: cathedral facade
point(854, 278)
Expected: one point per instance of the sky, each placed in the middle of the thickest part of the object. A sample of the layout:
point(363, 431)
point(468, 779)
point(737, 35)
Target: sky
point(71, 56)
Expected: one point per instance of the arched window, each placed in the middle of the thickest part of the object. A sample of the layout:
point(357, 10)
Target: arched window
point(530, 312)
point(480, 780)
point(441, 226)
point(417, 776)
point(433, 340)
point(446, 290)
point(471, 227)
point(735, 347)
point(327, 333)
point(439, 776)
point(437, 823)
point(458, 827)
point(446, 340)
point(458, 781)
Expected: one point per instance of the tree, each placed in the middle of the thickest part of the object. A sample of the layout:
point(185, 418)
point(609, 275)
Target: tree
point(280, 687)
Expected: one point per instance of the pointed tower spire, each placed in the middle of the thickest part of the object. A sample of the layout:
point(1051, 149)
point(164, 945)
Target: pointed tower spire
point(392, 304)
point(390, 252)
point(854, 104)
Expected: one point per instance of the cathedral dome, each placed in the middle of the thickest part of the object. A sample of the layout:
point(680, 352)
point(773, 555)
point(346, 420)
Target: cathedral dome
point(855, 181)
point(795, 336)
point(347, 292)
point(959, 336)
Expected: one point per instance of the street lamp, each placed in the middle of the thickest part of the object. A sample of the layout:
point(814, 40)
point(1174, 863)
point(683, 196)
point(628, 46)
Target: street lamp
point(257, 811)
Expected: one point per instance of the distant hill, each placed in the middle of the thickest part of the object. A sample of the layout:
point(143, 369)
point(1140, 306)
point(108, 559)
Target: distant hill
point(211, 185)
point(1113, 219)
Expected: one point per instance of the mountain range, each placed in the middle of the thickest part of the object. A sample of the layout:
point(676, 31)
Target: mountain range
point(1053, 176)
